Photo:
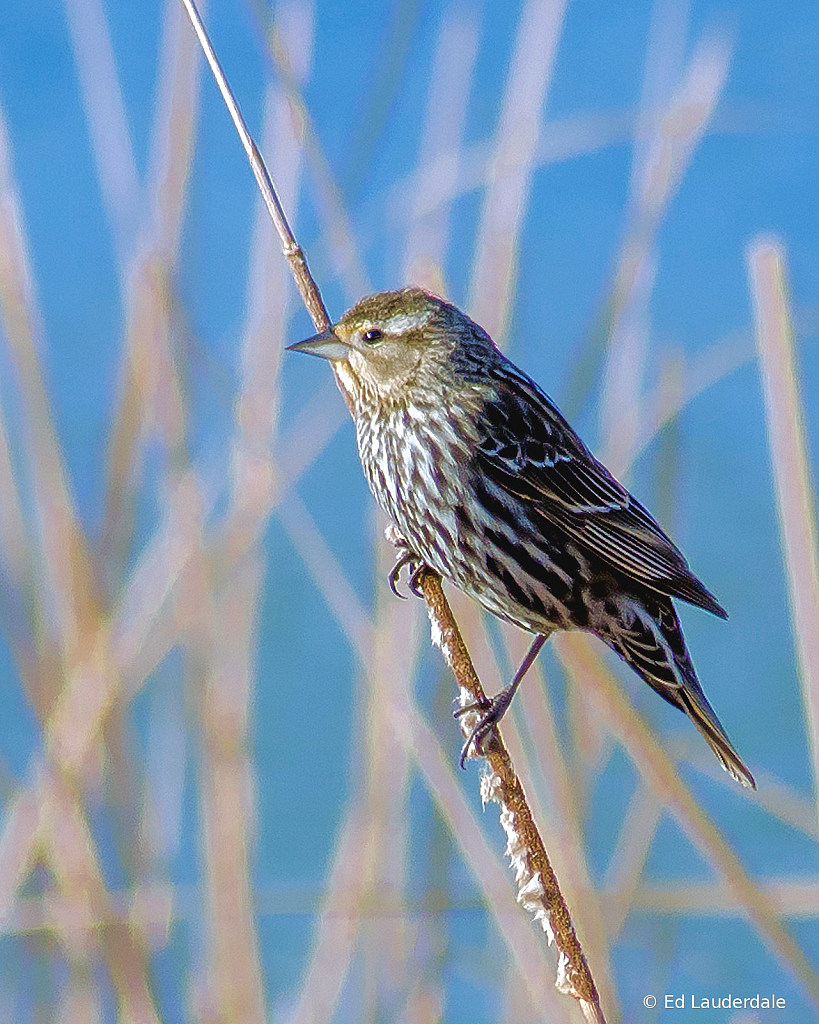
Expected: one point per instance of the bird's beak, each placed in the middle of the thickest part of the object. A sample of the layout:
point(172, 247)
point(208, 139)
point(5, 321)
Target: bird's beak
point(328, 345)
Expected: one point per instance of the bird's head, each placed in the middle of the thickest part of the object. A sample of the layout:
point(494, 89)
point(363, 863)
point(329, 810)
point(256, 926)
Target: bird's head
point(394, 344)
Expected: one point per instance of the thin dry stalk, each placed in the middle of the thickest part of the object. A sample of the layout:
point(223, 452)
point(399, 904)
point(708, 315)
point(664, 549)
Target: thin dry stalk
point(268, 298)
point(789, 461)
point(106, 117)
point(796, 898)
point(226, 623)
point(376, 870)
point(339, 924)
point(81, 1002)
point(449, 84)
point(49, 823)
point(231, 590)
point(19, 845)
point(65, 602)
point(774, 796)
point(625, 868)
point(560, 816)
point(228, 589)
point(344, 250)
point(150, 397)
point(670, 135)
point(292, 251)
point(68, 598)
point(513, 163)
point(661, 407)
point(70, 853)
point(416, 736)
point(585, 666)
point(388, 943)
point(15, 556)
point(543, 770)
point(538, 890)
point(16, 568)
point(436, 766)
point(558, 141)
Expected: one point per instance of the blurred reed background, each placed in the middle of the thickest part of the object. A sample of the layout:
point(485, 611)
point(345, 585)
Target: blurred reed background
point(227, 762)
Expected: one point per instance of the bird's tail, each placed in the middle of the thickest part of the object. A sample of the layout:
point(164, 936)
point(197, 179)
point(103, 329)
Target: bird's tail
point(652, 643)
point(696, 706)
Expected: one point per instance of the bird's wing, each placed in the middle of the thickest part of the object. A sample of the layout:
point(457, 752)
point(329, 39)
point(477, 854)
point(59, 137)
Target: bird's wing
point(529, 450)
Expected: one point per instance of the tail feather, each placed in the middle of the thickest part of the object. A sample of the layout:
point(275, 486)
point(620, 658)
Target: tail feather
point(702, 715)
point(649, 638)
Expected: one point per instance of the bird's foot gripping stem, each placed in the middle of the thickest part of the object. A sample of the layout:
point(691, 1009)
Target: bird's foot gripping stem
point(408, 558)
point(492, 711)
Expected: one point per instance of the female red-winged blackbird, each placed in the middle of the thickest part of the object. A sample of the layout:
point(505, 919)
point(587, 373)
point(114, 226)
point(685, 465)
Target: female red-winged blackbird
point(488, 485)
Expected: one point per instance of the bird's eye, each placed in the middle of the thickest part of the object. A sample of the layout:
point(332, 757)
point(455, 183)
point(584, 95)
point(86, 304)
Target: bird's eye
point(372, 336)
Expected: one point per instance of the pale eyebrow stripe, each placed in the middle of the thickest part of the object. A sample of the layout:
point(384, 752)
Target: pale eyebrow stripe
point(401, 322)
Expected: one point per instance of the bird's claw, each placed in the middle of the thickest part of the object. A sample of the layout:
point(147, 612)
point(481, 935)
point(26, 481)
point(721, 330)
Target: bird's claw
point(416, 567)
point(492, 711)
point(395, 573)
point(415, 576)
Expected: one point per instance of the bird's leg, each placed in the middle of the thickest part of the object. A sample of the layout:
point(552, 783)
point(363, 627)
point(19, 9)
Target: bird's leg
point(494, 709)
point(407, 557)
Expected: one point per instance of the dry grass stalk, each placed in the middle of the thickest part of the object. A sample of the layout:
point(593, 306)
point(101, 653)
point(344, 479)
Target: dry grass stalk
point(547, 773)
point(218, 630)
point(436, 767)
point(549, 783)
point(228, 590)
point(625, 868)
point(796, 898)
point(296, 259)
point(449, 84)
point(64, 601)
point(149, 398)
point(538, 888)
point(444, 784)
point(585, 666)
point(107, 119)
point(418, 193)
point(512, 165)
point(667, 138)
point(790, 464)
point(344, 250)
point(339, 924)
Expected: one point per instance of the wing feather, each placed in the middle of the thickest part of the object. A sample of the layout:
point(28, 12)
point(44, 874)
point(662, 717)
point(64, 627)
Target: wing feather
point(530, 451)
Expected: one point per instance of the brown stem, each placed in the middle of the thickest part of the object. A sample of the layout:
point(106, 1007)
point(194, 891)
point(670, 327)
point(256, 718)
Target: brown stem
point(538, 889)
point(308, 289)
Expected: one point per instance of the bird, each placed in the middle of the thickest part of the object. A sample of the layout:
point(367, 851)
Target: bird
point(489, 486)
